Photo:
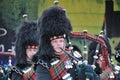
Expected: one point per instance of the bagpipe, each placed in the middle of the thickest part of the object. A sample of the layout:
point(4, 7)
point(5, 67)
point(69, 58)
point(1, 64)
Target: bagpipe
point(105, 58)
point(83, 70)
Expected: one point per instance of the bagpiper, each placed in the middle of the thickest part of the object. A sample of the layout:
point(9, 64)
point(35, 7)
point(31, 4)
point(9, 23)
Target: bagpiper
point(26, 47)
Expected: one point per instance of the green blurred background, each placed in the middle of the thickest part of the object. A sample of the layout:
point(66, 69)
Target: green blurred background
point(83, 14)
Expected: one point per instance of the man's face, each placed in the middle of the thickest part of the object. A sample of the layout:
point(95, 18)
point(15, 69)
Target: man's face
point(30, 52)
point(57, 44)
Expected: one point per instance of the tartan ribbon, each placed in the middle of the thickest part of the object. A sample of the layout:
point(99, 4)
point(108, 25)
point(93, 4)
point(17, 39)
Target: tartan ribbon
point(30, 75)
point(58, 70)
point(105, 62)
point(106, 74)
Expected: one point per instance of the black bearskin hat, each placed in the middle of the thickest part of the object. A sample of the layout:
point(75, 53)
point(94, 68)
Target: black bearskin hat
point(26, 35)
point(91, 52)
point(53, 23)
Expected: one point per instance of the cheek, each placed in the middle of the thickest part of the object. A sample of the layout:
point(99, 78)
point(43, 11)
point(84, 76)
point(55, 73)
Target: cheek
point(34, 52)
point(63, 45)
point(54, 45)
point(28, 54)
